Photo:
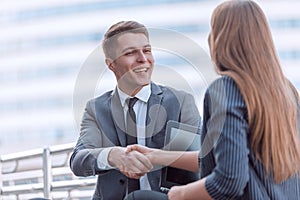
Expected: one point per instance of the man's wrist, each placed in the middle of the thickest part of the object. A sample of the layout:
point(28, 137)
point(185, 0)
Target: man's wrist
point(114, 153)
point(102, 160)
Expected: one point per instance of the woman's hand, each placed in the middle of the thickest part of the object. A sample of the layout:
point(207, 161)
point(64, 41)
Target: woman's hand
point(132, 164)
point(136, 147)
point(176, 193)
point(187, 160)
point(192, 191)
point(148, 152)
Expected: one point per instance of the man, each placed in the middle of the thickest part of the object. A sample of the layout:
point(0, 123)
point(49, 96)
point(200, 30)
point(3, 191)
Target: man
point(105, 128)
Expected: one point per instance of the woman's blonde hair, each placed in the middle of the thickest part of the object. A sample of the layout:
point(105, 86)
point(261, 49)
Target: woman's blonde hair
point(241, 47)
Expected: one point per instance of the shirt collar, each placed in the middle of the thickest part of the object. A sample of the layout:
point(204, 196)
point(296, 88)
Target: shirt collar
point(143, 94)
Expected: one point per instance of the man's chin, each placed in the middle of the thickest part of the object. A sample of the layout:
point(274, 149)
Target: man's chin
point(140, 85)
point(145, 84)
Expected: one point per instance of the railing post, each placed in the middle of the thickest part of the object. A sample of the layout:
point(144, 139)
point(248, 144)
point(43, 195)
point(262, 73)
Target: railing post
point(47, 164)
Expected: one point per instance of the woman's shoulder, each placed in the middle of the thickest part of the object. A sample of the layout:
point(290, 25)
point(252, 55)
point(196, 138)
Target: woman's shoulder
point(225, 83)
point(225, 89)
point(225, 80)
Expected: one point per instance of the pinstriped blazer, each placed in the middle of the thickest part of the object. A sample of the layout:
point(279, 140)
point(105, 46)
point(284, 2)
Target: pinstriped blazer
point(226, 160)
point(103, 126)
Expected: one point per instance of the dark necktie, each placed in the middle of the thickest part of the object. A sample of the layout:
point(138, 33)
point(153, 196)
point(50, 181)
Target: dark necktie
point(131, 122)
point(131, 137)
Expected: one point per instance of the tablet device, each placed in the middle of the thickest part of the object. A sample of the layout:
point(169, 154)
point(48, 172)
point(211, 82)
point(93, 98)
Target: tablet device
point(179, 137)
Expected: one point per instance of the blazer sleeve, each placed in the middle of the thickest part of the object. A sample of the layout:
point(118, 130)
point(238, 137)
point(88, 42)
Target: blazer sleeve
point(83, 161)
point(189, 113)
point(227, 126)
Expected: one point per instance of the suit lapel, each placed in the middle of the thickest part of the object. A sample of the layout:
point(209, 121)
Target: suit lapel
point(118, 118)
point(153, 120)
point(156, 115)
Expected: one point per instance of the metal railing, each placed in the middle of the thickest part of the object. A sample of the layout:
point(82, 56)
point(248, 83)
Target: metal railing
point(43, 173)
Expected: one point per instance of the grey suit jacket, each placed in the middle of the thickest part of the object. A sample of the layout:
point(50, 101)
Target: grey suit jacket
point(103, 126)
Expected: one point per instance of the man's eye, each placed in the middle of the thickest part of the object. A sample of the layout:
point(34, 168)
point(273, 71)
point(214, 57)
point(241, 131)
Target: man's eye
point(147, 50)
point(129, 53)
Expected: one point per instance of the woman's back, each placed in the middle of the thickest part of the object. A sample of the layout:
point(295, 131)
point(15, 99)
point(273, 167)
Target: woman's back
point(238, 173)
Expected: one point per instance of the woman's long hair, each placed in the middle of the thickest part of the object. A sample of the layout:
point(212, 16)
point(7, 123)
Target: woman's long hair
point(241, 47)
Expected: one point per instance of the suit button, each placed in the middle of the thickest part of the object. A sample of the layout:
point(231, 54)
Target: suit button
point(122, 181)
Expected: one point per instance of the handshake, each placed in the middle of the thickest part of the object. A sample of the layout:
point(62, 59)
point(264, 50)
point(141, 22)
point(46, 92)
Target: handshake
point(133, 161)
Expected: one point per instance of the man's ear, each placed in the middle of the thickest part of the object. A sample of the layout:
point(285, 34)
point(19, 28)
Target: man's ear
point(109, 63)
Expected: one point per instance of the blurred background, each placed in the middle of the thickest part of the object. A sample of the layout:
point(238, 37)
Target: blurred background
point(43, 45)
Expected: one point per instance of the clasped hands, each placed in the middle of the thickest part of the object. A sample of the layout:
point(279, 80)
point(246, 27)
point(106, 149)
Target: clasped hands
point(133, 161)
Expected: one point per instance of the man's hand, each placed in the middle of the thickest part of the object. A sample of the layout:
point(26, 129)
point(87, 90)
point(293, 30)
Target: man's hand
point(135, 147)
point(150, 153)
point(132, 164)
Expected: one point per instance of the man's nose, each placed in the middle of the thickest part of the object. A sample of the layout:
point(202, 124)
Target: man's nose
point(141, 57)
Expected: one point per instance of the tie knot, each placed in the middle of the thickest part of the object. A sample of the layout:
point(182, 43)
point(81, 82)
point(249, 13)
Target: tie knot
point(131, 102)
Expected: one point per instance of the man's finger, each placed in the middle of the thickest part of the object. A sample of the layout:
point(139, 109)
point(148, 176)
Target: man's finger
point(140, 161)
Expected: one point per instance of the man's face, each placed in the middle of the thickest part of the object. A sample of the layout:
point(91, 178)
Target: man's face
point(134, 62)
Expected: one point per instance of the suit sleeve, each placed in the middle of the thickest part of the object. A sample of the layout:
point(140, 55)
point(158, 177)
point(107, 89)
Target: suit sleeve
point(83, 161)
point(227, 124)
point(189, 111)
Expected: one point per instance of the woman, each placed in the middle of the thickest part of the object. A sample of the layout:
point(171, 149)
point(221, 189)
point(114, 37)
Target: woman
point(251, 117)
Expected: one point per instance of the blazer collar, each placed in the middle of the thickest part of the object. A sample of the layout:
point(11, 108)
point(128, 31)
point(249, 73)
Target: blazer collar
point(153, 110)
point(118, 118)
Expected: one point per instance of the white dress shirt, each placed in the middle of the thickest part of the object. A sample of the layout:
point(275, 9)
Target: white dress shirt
point(140, 109)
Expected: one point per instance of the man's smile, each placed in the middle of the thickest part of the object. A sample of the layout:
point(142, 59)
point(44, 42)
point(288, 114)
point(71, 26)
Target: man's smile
point(140, 69)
